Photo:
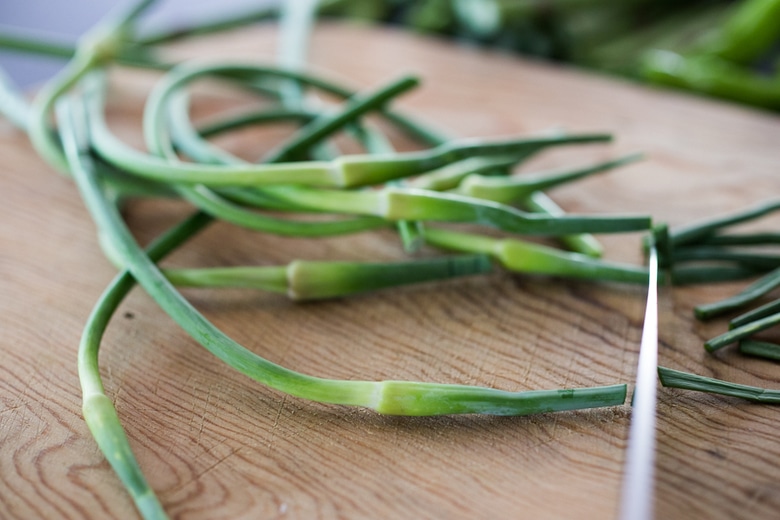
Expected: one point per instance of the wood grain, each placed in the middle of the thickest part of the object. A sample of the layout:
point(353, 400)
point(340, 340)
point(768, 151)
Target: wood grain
point(217, 445)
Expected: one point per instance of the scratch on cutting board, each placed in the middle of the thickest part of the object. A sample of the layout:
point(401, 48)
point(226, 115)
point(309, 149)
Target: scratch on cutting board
point(203, 415)
point(531, 356)
point(212, 466)
point(11, 408)
point(208, 451)
point(275, 426)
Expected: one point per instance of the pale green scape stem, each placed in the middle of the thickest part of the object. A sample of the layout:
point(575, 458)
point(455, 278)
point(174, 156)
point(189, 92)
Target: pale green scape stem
point(540, 202)
point(310, 280)
point(511, 189)
point(527, 257)
point(450, 176)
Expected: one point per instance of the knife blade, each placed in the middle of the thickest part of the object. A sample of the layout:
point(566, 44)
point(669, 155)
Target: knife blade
point(637, 494)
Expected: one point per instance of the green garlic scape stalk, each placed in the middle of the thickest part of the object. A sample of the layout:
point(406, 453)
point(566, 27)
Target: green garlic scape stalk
point(709, 241)
point(527, 257)
point(304, 280)
point(107, 171)
point(762, 349)
point(763, 311)
point(676, 379)
point(510, 189)
point(585, 243)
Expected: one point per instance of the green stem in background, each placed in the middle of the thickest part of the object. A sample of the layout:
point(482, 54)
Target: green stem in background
point(748, 32)
point(196, 146)
point(430, 16)
point(584, 243)
point(305, 280)
point(762, 349)
point(450, 176)
point(417, 129)
point(755, 314)
point(97, 47)
point(13, 39)
point(510, 189)
point(741, 332)
point(701, 230)
point(12, 103)
point(141, 58)
point(745, 239)
point(748, 295)
point(676, 379)
point(675, 31)
point(295, 25)
point(231, 21)
point(713, 76)
point(488, 20)
point(756, 261)
point(129, 53)
point(241, 119)
point(226, 22)
point(527, 257)
point(601, 27)
point(683, 275)
point(327, 125)
point(124, 186)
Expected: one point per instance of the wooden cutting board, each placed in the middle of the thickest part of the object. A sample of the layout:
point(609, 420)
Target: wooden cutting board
point(217, 445)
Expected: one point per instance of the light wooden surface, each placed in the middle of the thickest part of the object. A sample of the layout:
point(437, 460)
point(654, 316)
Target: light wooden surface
point(217, 445)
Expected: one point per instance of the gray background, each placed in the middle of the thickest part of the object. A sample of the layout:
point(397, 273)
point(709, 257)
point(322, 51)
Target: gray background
point(65, 20)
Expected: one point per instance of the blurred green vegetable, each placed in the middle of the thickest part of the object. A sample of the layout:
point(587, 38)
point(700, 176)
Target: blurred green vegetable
point(720, 48)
